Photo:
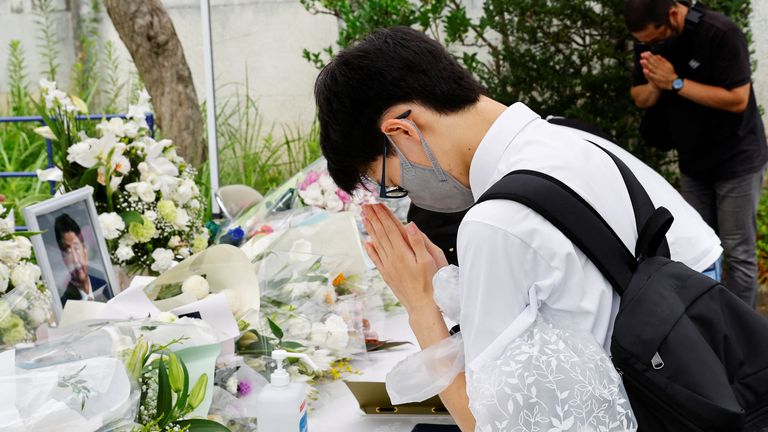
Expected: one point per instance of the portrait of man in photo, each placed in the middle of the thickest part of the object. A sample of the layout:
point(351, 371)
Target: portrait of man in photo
point(81, 284)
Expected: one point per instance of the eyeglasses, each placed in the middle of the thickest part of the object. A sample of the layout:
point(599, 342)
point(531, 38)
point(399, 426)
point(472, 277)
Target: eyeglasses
point(394, 192)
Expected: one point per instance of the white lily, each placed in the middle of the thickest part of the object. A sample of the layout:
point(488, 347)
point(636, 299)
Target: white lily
point(45, 132)
point(50, 174)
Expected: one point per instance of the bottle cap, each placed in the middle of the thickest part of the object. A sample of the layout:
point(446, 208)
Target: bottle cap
point(280, 377)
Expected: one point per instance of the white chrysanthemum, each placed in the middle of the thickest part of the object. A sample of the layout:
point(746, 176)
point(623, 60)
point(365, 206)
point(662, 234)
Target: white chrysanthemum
point(124, 252)
point(197, 286)
point(111, 225)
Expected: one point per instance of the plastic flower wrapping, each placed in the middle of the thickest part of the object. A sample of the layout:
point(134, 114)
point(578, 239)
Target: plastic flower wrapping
point(24, 302)
point(146, 196)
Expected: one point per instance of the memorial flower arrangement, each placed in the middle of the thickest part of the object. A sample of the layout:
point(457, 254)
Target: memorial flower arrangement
point(146, 196)
point(24, 301)
point(317, 189)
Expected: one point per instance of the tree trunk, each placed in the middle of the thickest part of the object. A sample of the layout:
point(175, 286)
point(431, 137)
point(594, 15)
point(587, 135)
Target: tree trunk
point(147, 31)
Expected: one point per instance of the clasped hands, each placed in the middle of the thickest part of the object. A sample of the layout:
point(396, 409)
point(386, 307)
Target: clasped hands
point(405, 257)
point(658, 70)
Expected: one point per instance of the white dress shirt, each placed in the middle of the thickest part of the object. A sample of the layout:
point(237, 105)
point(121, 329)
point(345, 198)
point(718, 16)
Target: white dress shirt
point(512, 259)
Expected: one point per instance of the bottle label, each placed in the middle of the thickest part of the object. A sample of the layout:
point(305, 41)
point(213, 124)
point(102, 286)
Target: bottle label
point(303, 426)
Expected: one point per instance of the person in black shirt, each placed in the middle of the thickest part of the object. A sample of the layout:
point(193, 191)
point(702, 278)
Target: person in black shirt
point(692, 70)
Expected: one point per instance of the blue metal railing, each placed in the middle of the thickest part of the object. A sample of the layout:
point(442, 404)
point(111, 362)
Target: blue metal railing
point(49, 144)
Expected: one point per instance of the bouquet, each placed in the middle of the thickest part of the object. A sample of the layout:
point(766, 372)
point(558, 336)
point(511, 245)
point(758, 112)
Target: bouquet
point(145, 193)
point(24, 301)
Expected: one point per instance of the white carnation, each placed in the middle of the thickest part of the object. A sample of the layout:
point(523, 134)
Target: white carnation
point(5, 277)
point(9, 252)
point(162, 260)
point(143, 190)
point(197, 286)
point(23, 247)
point(124, 252)
point(111, 225)
point(25, 275)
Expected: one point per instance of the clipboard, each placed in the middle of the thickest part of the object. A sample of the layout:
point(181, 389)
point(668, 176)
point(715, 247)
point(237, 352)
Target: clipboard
point(372, 398)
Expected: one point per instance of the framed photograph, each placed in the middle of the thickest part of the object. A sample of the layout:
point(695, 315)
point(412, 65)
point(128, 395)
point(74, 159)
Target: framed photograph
point(71, 251)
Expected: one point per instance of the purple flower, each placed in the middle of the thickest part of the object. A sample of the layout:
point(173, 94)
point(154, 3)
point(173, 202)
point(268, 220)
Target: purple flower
point(243, 388)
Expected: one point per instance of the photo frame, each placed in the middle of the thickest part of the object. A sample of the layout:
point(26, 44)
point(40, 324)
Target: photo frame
point(70, 249)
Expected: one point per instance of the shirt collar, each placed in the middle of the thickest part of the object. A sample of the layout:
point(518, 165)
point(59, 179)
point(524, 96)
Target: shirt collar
point(495, 142)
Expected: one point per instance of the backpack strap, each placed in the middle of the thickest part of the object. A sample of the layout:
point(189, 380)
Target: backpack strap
point(573, 216)
point(643, 208)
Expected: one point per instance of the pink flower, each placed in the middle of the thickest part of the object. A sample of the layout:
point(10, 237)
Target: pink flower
point(243, 388)
point(343, 196)
point(312, 177)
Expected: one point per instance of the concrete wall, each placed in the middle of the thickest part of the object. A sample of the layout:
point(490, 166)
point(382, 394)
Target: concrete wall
point(260, 39)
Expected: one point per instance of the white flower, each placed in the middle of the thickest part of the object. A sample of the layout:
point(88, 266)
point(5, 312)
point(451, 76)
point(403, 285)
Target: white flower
point(185, 191)
point(231, 385)
point(194, 204)
point(312, 195)
point(8, 223)
point(47, 86)
point(82, 154)
point(156, 169)
point(143, 190)
point(197, 286)
point(151, 215)
point(174, 242)
point(9, 254)
point(333, 202)
point(182, 218)
point(115, 126)
point(322, 358)
point(185, 253)
point(111, 225)
point(326, 183)
point(25, 275)
point(162, 260)
point(37, 316)
point(233, 300)
point(144, 99)
point(5, 277)
point(50, 174)
point(338, 333)
point(124, 252)
point(166, 317)
point(45, 132)
point(318, 334)
point(298, 327)
point(23, 247)
point(131, 129)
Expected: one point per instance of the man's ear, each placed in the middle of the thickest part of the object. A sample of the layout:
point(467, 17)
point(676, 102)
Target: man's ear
point(398, 127)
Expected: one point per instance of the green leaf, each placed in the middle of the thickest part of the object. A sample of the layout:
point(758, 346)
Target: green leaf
point(89, 177)
point(382, 345)
point(181, 402)
point(290, 345)
point(130, 217)
point(164, 394)
point(201, 425)
point(276, 330)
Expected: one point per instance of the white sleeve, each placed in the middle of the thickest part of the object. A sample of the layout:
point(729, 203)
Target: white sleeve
point(500, 275)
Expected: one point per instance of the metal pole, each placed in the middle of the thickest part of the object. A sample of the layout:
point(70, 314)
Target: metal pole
point(210, 105)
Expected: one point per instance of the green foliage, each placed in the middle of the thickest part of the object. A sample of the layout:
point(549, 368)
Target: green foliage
point(47, 39)
point(18, 96)
point(570, 58)
point(113, 84)
point(762, 239)
point(85, 71)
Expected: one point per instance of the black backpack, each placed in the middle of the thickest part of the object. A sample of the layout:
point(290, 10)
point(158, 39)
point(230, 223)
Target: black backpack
point(693, 356)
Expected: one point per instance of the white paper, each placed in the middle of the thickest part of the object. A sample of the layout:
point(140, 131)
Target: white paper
point(214, 310)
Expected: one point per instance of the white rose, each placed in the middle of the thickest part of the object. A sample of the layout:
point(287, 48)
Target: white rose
point(124, 252)
point(233, 300)
point(23, 247)
point(25, 275)
point(143, 190)
point(333, 202)
point(182, 218)
point(5, 277)
point(312, 195)
point(111, 225)
point(162, 260)
point(166, 317)
point(338, 333)
point(298, 328)
point(197, 286)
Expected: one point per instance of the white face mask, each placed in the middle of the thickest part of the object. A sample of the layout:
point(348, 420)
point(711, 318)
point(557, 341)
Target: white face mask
point(432, 188)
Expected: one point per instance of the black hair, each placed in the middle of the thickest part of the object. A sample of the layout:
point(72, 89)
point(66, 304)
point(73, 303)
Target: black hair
point(390, 66)
point(64, 224)
point(639, 14)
